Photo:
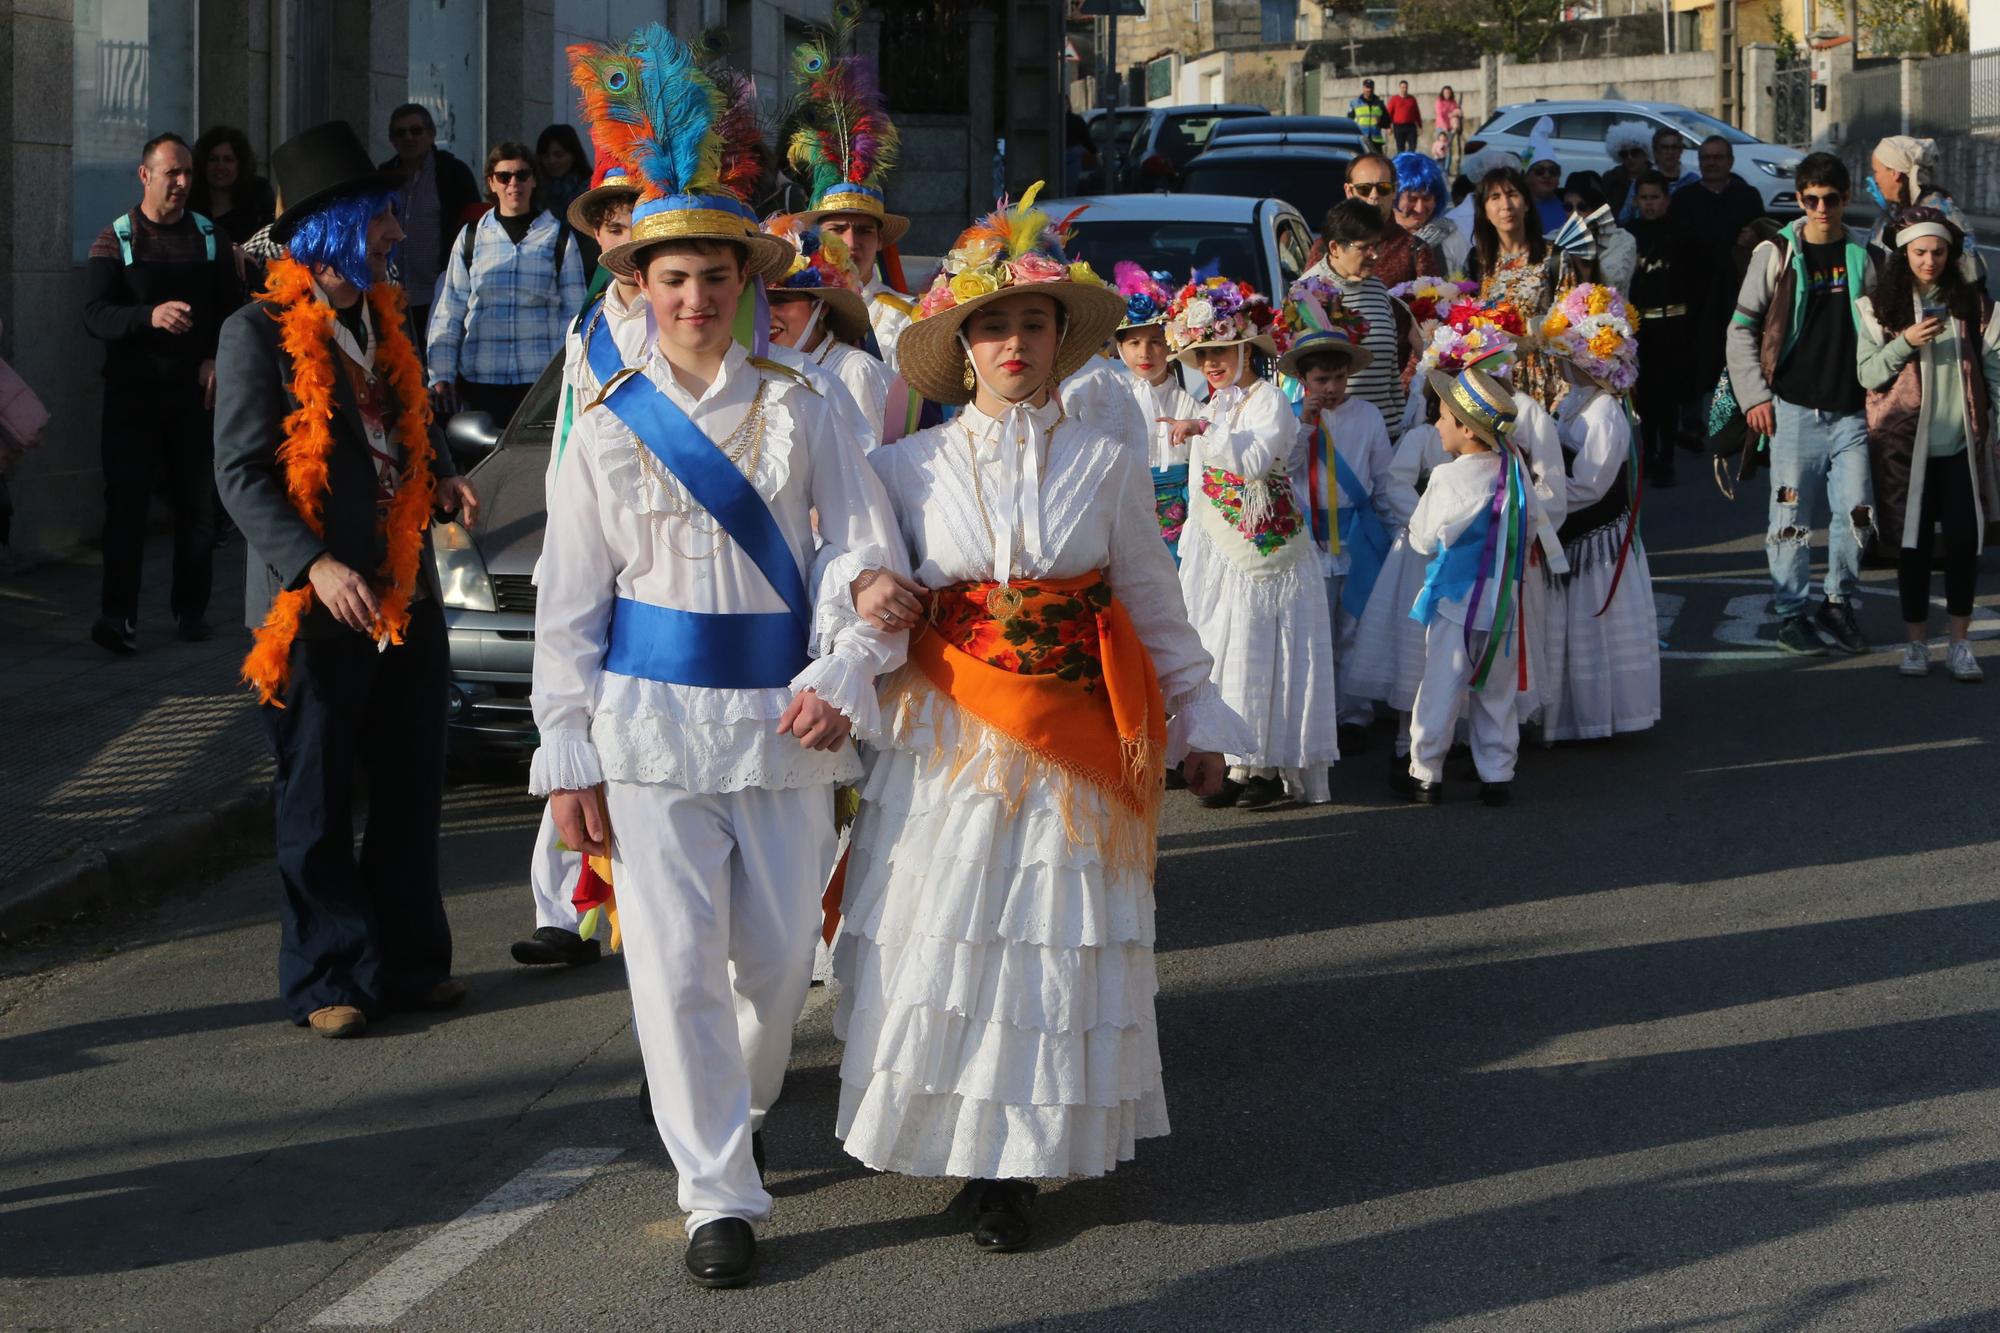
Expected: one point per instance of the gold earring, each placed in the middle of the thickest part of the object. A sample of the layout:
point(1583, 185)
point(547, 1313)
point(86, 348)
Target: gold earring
point(971, 381)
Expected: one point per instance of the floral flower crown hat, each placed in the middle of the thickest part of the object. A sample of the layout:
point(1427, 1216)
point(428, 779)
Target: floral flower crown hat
point(1314, 320)
point(1592, 329)
point(1220, 312)
point(824, 270)
point(1147, 295)
point(1481, 344)
point(1429, 298)
point(1017, 249)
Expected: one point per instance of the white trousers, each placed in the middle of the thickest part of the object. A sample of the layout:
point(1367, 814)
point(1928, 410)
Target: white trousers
point(1448, 671)
point(1346, 633)
point(718, 902)
point(552, 876)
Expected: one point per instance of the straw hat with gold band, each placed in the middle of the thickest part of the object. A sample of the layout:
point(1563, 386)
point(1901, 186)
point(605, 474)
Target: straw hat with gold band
point(1220, 312)
point(845, 144)
point(822, 269)
point(1013, 251)
point(1482, 403)
point(611, 185)
point(690, 150)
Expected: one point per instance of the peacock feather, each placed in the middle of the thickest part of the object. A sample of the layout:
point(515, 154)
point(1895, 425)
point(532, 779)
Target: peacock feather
point(845, 135)
point(651, 106)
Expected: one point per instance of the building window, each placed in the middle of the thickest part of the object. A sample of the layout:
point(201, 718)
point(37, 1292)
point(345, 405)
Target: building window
point(1281, 20)
point(134, 78)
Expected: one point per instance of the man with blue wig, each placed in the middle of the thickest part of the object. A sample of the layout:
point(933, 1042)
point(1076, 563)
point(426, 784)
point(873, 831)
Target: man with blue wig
point(327, 458)
point(1422, 200)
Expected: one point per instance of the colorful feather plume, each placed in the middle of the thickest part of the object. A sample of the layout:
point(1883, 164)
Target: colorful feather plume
point(741, 126)
point(845, 136)
point(652, 107)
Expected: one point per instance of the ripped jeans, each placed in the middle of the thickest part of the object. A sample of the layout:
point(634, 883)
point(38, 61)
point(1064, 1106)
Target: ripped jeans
point(1817, 456)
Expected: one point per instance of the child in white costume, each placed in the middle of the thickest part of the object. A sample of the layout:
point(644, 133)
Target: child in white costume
point(1602, 636)
point(817, 310)
point(1155, 382)
point(1347, 457)
point(995, 960)
point(1476, 524)
point(694, 700)
point(1248, 567)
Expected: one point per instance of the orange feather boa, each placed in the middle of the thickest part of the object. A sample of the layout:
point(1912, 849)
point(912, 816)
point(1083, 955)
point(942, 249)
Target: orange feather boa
point(305, 326)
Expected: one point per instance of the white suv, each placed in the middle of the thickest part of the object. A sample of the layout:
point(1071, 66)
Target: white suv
point(1581, 127)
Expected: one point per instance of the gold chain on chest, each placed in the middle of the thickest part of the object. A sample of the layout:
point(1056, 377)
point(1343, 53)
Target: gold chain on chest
point(745, 451)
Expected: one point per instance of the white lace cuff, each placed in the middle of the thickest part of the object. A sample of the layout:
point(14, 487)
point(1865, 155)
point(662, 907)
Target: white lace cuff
point(1202, 720)
point(849, 687)
point(834, 608)
point(565, 761)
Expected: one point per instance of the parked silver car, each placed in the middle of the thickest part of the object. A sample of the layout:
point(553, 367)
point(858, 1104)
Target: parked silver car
point(1580, 128)
point(487, 574)
point(1264, 242)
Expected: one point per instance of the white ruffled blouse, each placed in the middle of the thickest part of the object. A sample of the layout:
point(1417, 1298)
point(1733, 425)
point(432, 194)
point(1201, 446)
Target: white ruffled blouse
point(865, 378)
point(1090, 509)
point(1168, 400)
point(619, 526)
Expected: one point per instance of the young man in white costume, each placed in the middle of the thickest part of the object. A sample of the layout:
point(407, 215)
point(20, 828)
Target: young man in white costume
point(694, 701)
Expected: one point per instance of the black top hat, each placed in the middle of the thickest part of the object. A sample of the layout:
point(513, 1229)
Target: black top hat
point(318, 166)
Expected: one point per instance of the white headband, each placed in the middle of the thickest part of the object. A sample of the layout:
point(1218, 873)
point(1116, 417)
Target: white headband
point(1918, 230)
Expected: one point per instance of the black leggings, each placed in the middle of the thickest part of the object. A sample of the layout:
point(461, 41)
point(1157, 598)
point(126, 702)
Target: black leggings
point(1947, 503)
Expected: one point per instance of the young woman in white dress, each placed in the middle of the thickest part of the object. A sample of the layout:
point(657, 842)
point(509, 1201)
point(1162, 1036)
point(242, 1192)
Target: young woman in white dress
point(996, 961)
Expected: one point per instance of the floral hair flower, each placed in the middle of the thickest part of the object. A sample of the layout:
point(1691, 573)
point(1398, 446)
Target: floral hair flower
point(1147, 295)
point(1221, 310)
point(1426, 297)
point(1591, 328)
point(1014, 246)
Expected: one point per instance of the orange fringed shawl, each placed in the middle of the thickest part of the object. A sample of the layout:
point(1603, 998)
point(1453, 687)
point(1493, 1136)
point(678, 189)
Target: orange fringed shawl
point(306, 333)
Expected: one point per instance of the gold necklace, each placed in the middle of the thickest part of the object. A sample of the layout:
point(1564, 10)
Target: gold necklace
point(744, 448)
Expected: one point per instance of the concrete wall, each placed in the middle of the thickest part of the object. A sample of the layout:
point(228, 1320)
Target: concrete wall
point(1687, 78)
point(1257, 75)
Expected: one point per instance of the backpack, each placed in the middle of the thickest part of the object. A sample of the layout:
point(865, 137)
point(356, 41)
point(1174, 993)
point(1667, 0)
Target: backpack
point(121, 227)
point(468, 238)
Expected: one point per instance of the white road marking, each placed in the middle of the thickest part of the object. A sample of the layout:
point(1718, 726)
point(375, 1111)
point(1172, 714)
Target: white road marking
point(1745, 615)
point(1666, 609)
point(454, 1247)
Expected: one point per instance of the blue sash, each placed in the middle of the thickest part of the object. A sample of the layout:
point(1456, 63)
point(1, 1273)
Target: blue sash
point(751, 651)
point(722, 651)
point(1362, 537)
point(1454, 571)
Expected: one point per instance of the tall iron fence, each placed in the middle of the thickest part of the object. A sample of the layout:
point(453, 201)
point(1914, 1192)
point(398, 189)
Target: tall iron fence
point(1791, 93)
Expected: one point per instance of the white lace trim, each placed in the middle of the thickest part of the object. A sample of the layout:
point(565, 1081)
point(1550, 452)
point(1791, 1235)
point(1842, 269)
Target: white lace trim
point(833, 608)
point(564, 761)
point(849, 688)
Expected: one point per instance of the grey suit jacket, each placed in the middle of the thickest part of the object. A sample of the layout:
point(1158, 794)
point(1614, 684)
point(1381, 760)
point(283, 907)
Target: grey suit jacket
point(253, 395)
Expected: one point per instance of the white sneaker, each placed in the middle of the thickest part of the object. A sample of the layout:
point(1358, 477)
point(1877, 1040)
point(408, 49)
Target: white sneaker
point(1962, 664)
point(1916, 660)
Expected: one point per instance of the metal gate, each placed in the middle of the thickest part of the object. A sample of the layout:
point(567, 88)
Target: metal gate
point(1791, 91)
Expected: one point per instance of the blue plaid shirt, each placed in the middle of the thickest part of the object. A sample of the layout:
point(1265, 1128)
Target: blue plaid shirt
point(504, 320)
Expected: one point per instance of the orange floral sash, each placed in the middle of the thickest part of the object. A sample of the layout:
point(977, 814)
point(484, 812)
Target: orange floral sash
point(306, 334)
point(1063, 677)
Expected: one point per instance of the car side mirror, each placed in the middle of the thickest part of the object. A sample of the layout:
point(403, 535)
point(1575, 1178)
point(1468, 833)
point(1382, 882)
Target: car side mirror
point(472, 434)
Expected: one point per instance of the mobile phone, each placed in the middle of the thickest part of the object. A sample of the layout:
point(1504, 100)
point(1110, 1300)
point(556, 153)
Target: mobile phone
point(1935, 312)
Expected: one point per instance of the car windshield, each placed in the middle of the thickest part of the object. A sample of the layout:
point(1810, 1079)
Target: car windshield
point(1698, 126)
point(1169, 244)
point(1310, 184)
point(1181, 137)
point(1123, 125)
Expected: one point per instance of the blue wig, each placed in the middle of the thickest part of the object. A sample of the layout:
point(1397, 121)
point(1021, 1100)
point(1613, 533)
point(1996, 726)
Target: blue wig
point(1418, 173)
point(335, 235)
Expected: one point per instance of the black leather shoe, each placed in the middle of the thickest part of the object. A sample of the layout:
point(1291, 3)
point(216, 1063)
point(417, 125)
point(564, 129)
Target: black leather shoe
point(1427, 793)
point(1496, 793)
point(1400, 780)
point(115, 636)
point(722, 1253)
point(997, 1211)
point(552, 945)
point(1224, 799)
point(1353, 739)
point(1260, 792)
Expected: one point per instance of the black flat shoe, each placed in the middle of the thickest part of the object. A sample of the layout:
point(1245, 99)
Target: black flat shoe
point(551, 946)
point(1225, 798)
point(722, 1253)
point(1260, 792)
point(997, 1211)
point(115, 636)
point(1426, 793)
point(1496, 793)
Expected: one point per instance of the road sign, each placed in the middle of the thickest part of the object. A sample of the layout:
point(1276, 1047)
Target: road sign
point(1112, 9)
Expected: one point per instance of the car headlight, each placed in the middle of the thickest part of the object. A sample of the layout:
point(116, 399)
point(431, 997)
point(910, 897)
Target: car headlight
point(462, 577)
point(1782, 170)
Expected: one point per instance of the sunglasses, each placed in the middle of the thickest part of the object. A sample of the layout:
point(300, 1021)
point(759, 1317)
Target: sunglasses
point(1813, 203)
point(1373, 189)
point(407, 131)
point(509, 177)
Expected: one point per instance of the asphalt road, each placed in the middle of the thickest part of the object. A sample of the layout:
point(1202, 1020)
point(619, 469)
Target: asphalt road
point(1700, 1034)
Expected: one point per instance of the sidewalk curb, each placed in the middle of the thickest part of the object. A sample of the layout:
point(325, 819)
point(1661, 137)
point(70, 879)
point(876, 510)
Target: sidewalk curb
point(145, 859)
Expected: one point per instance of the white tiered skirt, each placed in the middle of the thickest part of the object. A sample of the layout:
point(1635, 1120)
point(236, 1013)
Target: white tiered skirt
point(1603, 671)
point(996, 973)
